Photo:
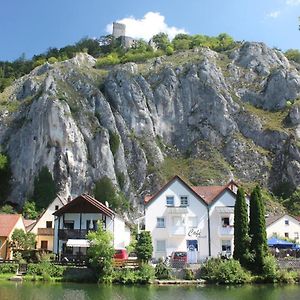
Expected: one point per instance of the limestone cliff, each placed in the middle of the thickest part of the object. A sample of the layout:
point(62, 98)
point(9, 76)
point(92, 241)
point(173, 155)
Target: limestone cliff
point(202, 114)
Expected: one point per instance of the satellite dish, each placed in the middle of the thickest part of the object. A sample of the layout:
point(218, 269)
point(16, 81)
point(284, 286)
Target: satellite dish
point(106, 204)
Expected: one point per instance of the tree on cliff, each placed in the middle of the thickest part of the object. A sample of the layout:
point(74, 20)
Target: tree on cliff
point(5, 175)
point(241, 230)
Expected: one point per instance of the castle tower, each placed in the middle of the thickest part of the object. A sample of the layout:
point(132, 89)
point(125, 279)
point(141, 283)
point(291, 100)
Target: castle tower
point(118, 29)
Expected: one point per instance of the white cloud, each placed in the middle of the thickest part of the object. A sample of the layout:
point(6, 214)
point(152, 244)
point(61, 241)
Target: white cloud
point(293, 2)
point(151, 24)
point(273, 14)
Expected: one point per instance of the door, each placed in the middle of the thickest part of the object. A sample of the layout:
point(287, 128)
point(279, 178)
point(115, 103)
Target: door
point(192, 251)
point(44, 245)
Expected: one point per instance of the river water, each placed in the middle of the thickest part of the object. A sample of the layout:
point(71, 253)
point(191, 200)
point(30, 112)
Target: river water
point(57, 291)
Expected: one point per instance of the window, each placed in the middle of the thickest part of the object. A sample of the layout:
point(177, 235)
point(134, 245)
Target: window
point(296, 234)
point(68, 224)
point(92, 225)
point(274, 234)
point(226, 246)
point(48, 224)
point(286, 222)
point(184, 201)
point(160, 222)
point(56, 207)
point(192, 222)
point(178, 221)
point(44, 244)
point(286, 234)
point(225, 221)
point(170, 200)
point(161, 245)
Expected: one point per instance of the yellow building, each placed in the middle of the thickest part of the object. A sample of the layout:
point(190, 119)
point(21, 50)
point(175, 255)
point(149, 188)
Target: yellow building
point(8, 223)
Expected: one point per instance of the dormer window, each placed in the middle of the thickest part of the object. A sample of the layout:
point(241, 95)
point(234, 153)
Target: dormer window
point(170, 200)
point(184, 201)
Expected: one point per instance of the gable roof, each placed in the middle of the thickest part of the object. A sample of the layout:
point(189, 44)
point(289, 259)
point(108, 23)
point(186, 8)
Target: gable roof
point(63, 202)
point(29, 224)
point(150, 198)
point(7, 223)
point(272, 219)
point(82, 201)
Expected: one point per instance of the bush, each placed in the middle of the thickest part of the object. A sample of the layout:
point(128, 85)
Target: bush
point(46, 268)
point(162, 271)
point(144, 246)
point(146, 274)
point(270, 269)
point(284, 276)
point(8, 268)
point(188, 274)
point(224, 272)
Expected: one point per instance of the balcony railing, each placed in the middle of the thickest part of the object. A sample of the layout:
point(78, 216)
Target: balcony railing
point(226, 230)
point(178, 230)
point(46, 231)
point(177, 210)
point(65, 234)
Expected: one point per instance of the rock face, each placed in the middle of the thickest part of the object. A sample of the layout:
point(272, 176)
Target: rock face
point(65, 115)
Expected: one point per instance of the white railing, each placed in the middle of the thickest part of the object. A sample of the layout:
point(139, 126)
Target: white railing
point(226, 230)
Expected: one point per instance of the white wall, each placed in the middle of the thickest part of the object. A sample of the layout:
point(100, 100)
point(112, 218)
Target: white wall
point(196, 208)
point(280, 228)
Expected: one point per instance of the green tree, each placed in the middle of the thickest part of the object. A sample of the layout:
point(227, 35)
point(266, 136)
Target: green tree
point(5, 176)
point(7, 209)
point(241, 230)
point(293, 54)
point(161, 41)
point(257, 230)
point(101, 250)
point(44, 189)
point(144, 246)
point(106, 191)
point(29, 210)
point(22, 241)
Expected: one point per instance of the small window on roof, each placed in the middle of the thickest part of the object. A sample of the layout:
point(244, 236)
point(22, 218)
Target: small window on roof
point(170, 200)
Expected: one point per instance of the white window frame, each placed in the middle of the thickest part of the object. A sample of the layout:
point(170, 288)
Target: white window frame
point(163, 243)
point(228, 244)
point(186, 199)
point(169, 197)
point(160, 222)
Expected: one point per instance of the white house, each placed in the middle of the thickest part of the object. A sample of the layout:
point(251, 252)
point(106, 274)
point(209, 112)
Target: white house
point(182, 217)
point(76, 218)
point(44, 226)
point(283, 226)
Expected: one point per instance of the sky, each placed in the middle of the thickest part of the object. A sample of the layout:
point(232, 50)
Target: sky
point(32, 26)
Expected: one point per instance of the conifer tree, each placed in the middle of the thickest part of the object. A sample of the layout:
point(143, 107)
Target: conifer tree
point(241, 237)
point(258, 230)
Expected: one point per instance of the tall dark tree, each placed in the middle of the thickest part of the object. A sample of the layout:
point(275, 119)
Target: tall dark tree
point(257, 230)
point(241, 236)
point(5, 176)
point(44, 189)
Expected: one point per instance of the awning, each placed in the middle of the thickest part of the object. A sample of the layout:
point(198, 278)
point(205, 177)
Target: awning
point(78, 243)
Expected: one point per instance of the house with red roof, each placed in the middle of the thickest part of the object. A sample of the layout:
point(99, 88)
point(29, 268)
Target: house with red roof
point(182, 217)
point(79, 216)
point(8, 223)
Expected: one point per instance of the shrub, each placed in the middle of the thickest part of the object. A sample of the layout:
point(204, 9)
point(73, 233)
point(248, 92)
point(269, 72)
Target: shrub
point(46, 268)
point(162, 271)
point(146, 274)
point(114, 142)
point(144, 246)
point(284, 276)
point(8, 268)
point(224, 272)
point(270, 269)
point(188, 274)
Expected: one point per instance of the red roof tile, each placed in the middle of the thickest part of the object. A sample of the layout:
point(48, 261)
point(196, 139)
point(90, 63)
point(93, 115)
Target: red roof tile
point(7, 223)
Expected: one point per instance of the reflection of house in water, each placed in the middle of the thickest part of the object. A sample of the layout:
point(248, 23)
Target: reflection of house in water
point(119, 32)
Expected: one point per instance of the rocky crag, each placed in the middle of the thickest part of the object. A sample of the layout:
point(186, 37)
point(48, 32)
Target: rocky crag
point(205, 115)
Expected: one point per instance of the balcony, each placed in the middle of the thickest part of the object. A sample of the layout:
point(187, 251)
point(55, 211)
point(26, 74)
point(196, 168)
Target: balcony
point(177, 210)
point(226, 230)
point(65, 234)
point(45, 231)
point(177, 230)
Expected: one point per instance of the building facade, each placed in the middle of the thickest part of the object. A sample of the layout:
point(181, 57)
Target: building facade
point(8, 223)
point(181, 218)
point(44, 226)
point(283, 226)
point(81, 215)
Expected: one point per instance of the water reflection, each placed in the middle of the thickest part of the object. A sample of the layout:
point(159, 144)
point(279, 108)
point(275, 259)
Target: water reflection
point(37, 291)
